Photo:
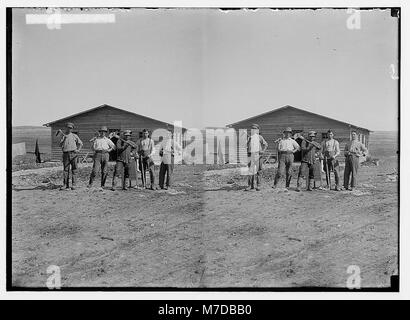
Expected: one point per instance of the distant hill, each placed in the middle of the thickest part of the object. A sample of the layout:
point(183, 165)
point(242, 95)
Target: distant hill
point(384, 143)
point(29, 135)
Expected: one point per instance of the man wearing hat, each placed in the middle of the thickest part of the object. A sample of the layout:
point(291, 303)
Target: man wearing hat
point(167, 150)
point(286, 149)
point(310, 164)
point(146, 149)
point(256, 146)
point(331, 150)
point(101, 146)
point(71, 144)
point(354, 149)
point(122, 166)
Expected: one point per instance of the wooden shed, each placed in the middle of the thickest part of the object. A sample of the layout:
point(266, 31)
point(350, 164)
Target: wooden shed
point(273, 123)
point(89, 121)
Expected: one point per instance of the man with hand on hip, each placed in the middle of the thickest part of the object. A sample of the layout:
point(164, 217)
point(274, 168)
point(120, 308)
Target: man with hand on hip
point(286, 149)
point(102, 146)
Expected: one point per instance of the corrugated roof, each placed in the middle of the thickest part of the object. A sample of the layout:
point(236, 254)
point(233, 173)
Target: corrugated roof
point(290, 107)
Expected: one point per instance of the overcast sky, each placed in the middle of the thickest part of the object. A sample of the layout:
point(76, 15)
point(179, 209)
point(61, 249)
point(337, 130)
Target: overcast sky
point(207, 67)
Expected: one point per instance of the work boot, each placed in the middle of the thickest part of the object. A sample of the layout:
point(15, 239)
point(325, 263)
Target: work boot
point(73, 180)
point(90, 182)
point(103, 179)
point(65, 181)
point(125, 184)
point(114, 183)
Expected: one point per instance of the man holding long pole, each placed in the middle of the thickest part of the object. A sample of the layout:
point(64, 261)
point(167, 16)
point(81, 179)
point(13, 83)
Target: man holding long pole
point(331, 150)
point(146, 149)
point(122, 165)
point(308, 167)
point(71, 145)
point(353, 150)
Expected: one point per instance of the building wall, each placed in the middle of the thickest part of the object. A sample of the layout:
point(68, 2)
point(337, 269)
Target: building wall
point(273, 124)
point(88, 123)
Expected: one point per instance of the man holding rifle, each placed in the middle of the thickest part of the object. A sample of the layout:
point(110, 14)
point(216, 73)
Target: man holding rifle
point(353, 150)
point(101, 146)
point(331, 150)
point(309, 169)
point(122, 166)
point(146, 150)
point(71, 144)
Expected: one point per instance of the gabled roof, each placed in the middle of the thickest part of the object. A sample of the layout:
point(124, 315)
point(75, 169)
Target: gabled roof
point(100, 107)
point(308, 112)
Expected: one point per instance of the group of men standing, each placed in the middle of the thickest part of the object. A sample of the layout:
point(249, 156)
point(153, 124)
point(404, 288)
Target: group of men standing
point(127, 150)
point(315, 158)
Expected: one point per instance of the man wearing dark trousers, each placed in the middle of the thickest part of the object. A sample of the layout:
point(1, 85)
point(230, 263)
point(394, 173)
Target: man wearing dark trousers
point(353, 150)
point(166, 169)
point(286, 149)
point(331, 150)
point(146, 149)
point(308, 168)
point(101, 146)
point(122, 165)
point(71, 145)
point(256, 147)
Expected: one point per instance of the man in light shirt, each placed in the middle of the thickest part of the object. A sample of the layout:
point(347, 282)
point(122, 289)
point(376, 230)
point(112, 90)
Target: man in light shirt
point(166, 169)
point(256, 146)
point(101, 146)
point(71, 145)
point(331, 150)
point(353, 150)
point(146, 149)
point(286, 149)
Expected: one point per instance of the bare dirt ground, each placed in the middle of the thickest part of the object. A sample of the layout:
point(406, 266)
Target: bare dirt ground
point(210, 233)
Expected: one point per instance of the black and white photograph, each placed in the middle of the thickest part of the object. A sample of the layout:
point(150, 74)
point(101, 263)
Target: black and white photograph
point(203, 148)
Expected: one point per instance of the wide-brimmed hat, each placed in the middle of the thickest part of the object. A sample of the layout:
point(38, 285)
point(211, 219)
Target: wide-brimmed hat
point(70, 125)
point(312, 133)
point(127, 132)
point(288, 129)
point(103, 128)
